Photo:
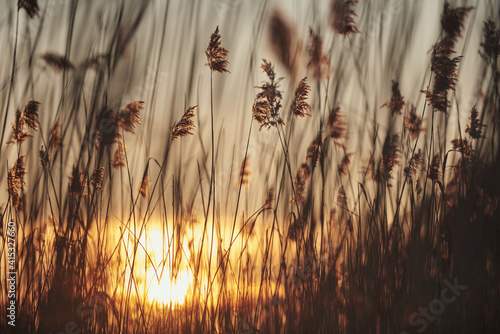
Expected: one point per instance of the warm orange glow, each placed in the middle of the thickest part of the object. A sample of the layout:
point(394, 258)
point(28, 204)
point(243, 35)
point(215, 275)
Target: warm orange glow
point(167, 291)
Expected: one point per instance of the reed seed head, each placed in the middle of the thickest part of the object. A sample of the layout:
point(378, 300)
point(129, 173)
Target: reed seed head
point(31, 114)
point(396, 103)
point(30, 6)
point(464, 147)
point(284, 42)
point(318, 62)
point(57, 62)
point(336, 124)
point(130, 116)
point(185, 126)
point(434, 172)
point(314, 151)
point(96, 178)
point(491, 43)
point(216, 54)
point(119, 160)
point(19, 134)
point(267, 103)
point(475, 128)
point(344, 164)
point(77, 183)
point(144, 185)
point(342, 17)
point(244, 172)
point(301, 177)
point(299, 107)
point(44, 158)
point(413, 123)
point(55, 138)
point(453, 19)
point(390, 158)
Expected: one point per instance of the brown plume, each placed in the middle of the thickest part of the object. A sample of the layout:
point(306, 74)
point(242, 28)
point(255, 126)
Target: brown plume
point(300, 107)
point(396, 103)
point(185, 126)
point(342, 17)
point(216, 54)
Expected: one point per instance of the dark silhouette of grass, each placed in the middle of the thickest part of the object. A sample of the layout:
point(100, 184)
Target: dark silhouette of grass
point(382, 220)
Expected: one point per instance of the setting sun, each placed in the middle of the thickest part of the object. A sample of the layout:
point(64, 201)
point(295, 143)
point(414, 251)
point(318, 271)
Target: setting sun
point(167, 291)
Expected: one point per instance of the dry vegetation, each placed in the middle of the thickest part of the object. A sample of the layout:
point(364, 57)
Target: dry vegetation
point(387, 224)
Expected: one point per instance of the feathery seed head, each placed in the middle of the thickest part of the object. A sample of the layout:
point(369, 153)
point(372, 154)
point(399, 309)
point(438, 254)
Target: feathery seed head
point(396, 103)
point(31, 114)
point(299, 107)
point(342, 17)
point(336, 124)
point(119, 160)
point(130, 115)
point(185, 126)
point(30, 6)
point(314, 151)
point(413, 123)
point(57, 62)
point(317, 60)
point(19, 134)
point(216, 54)
point(96, 178)
point(474, 129)
point(144, 185)
point(453, 19)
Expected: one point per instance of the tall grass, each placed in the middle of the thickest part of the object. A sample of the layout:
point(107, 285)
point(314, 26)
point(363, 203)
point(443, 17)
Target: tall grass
point(371, 204)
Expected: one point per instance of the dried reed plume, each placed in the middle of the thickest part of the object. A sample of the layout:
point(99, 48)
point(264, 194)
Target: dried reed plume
point(336, 124)
point(15, 182)
point(185, 126)
point(216, 54)
point(107, 128)
point(390, 158)
point(453, 19)
point(285, 42)
point(119, 159)
point(44, 158)
point(314, 151)
point(475, 127)
point(268, 102)
point(19, 134)
point(299, 107)
point(413, 123)
point(445, 70)
point(396, 103)
point(144, 185)
point(318, 62)
point(244, 172)
point(31, 7)
point(57, 62)
point(77, 183)
point(434, 172)
point(269, 198)
point(96, 178)
point(344, 164)
point(301, 177)
point(464, 147)
point(491, 43)
point(342, 198)
point(342, 17)
point(130, 115)
point(55, 138)
point(31, 114)
point(416, 162)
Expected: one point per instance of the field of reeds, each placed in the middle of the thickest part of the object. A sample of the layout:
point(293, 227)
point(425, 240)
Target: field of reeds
point(232, 166)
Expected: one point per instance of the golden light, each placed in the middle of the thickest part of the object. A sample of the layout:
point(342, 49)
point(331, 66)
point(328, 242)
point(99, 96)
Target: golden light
point(167, 291)
point(162, 288)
